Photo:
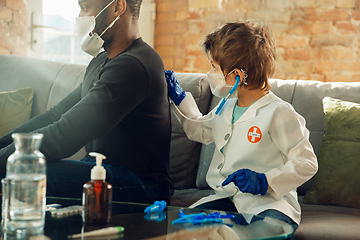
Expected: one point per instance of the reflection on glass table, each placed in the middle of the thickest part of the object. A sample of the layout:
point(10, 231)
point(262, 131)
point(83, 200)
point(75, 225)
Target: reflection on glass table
point(241, 226)
point(159, 225)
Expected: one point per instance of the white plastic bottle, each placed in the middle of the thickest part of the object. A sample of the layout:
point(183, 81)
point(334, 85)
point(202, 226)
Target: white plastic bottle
point(97, 195)
point(26, 176)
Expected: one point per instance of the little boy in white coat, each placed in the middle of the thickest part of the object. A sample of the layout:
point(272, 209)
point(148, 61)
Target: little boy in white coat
point(262, 151)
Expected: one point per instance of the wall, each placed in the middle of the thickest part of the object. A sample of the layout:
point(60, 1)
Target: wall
point(316, 39)
point(13, 22)
point(171, 30)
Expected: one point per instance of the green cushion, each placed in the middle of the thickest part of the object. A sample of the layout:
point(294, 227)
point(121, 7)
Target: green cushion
point(337, 181)
point(15, 108)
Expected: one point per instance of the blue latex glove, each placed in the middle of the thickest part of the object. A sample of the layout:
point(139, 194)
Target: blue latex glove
point(176, 93)
point(248, 181)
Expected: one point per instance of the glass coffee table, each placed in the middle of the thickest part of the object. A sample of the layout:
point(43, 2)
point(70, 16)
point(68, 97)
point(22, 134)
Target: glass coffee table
point(159, 226)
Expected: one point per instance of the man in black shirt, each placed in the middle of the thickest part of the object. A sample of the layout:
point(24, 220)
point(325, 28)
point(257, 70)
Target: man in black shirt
point(120, 110)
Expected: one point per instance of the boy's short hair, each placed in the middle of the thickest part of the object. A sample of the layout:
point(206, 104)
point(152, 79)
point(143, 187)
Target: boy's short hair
point(244, 45)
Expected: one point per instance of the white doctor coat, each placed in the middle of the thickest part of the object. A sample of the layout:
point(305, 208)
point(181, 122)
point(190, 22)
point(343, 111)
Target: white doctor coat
point(270, 137)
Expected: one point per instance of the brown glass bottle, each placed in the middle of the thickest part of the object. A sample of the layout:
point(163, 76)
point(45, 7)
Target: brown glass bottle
point(97, 195)
point(97, 202)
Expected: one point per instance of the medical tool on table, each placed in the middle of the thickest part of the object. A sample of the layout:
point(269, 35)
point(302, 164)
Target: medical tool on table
point(200, 218)
point(158, 206)
point(99, 232)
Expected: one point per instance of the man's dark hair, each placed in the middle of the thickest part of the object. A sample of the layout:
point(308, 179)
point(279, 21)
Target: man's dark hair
point(134, 6)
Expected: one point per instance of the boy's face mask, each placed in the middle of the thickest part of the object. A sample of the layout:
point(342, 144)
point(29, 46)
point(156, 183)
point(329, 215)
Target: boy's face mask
point(90, 42)
point(218, 84)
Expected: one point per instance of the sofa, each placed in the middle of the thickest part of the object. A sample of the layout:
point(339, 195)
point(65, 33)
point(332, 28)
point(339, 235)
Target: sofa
point(51, 81)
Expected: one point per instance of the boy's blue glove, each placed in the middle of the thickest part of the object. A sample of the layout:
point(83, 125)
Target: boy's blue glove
point(248, 181)
point(176, 93)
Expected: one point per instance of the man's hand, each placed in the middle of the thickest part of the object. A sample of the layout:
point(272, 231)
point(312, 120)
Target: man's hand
point(176, 93)
point(248, 181)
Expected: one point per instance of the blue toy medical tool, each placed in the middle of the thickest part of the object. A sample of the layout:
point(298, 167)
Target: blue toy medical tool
point(200, 218)
point(158, 206)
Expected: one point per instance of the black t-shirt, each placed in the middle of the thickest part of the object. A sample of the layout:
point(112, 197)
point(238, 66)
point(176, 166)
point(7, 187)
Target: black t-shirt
point(121, 110)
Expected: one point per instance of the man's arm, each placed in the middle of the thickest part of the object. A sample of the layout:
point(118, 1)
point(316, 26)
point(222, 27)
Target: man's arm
point(38, 122)
point(122, 86)
point(45, 118)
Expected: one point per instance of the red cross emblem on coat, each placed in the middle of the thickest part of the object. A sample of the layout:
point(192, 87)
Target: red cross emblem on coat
point(254, 134)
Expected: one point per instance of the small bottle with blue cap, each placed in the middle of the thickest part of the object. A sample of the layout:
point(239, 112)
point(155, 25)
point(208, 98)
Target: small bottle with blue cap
point(97, 195)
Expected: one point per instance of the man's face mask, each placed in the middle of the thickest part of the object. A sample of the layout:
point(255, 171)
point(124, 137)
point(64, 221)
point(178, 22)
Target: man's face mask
point(90, 42)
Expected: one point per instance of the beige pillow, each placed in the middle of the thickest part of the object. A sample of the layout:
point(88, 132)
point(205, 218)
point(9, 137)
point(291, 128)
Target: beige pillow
point(337, 181)
point(15, 108)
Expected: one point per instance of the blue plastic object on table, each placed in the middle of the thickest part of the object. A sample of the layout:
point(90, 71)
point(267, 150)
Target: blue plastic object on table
point(158, 206)
point(201, 218)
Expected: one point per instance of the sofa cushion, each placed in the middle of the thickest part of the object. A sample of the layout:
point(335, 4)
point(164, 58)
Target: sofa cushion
point(206, 154)
point(328, 222)
point(51, 81)
point(15, 108)
point(186, 197)
point(184, 154)
point(307, 101)
point(337, 180)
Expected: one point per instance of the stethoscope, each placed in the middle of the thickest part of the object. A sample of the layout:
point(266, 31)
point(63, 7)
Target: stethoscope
point(223, 101)
point(227, 97)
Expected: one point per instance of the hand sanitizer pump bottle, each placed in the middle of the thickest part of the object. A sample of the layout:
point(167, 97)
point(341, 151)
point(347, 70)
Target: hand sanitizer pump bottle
point(97, 195)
